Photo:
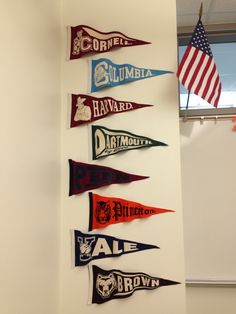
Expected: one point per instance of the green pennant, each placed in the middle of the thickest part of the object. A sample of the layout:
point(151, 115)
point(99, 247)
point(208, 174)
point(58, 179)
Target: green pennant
point(107, 142)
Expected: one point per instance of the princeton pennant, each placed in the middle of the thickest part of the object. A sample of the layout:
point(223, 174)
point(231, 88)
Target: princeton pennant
point(85, 109)
point(107, 142)
point(85, 39)
point(105, 211)
point(105, 73)
point(106, 285)
point(84, 177)
point(89, 247)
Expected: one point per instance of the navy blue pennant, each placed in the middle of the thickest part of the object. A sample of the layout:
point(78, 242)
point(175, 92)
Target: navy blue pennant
point(90, 246)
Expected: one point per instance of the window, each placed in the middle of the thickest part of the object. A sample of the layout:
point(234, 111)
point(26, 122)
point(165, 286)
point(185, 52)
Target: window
point(223, 46)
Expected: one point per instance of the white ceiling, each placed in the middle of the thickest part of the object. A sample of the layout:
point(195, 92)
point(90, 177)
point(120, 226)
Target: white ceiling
point(214, 12)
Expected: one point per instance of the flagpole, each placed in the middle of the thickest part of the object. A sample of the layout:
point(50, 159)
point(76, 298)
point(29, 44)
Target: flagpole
point(186, 108)
point(200, 11)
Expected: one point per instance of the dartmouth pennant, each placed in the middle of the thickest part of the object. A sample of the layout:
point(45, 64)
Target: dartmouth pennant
point(107, 142)
point(84, 177)
point(89, 247)
point(105, 73)
point(85, 109)
point(106, 285)
point(84, 39)
point(105, 211)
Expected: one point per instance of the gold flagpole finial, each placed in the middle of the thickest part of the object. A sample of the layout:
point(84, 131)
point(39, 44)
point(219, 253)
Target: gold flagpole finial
point(200, 11)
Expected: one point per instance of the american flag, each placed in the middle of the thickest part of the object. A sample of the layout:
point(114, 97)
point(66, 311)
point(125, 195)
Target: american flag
point(197, 70)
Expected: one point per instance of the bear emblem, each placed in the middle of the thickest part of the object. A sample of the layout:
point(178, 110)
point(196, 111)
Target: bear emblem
point(105, 285)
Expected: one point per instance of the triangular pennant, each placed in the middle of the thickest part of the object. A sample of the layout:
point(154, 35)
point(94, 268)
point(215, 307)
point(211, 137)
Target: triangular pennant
point(85, 109)
point(89, 247)
point(84, 177)
point(105, 211)
point(107, 285)
point(84, 39)
point(105, 73)
point(107, 142)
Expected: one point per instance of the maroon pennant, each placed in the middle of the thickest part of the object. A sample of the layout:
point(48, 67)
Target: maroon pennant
point(85, 109)
point(84, 177)
point(85, 39)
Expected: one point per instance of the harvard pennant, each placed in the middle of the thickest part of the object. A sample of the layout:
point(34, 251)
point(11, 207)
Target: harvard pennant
point(84, 177)
point(107, 142)
point(105, 211)
point(105, 73)
point(84, 39)
point(89, 247)
point(112, 284)
point(85, 109)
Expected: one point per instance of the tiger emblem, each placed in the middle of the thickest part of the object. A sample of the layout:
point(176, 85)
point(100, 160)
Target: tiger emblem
point(105, 285)
point(103, 212)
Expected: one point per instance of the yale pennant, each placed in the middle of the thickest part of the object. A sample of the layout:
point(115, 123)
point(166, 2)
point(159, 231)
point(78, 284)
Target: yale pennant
point(84, 39)
point(89, 247)
point(105, 211)
point(85, 109)
point(112, 284)
point(107, 142)
point(105, 73)
point(84, 177)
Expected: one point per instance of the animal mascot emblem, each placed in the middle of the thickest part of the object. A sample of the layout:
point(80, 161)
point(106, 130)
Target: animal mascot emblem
point(105, 285)
point(103, 212)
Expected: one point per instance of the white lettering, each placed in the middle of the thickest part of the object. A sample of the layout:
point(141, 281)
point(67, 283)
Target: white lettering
point(116, 247)
point(101, 246)
point(128, 247)
point(128, 284)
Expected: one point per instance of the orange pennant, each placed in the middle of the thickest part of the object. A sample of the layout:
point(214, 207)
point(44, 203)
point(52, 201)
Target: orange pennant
point(105, 211)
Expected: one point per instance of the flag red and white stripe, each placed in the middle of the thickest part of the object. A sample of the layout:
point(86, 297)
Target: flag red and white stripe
point(197, 70)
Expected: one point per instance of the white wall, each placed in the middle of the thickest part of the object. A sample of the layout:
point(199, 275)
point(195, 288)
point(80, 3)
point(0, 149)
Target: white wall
point(211, 300)
point(29, 137)
point(156, 22)
point(208, 177)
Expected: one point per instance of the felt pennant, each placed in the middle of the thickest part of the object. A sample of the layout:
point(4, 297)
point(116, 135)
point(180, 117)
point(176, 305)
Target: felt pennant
point(106, 285)
point(89, 247)
point(85, 109)
point(85, 39)
point(105, 73)
point(107, 142)
point(84, 177)
point(105, 211)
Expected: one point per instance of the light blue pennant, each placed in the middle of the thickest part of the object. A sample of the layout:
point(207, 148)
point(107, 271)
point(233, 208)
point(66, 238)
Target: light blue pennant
point(105, 73)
